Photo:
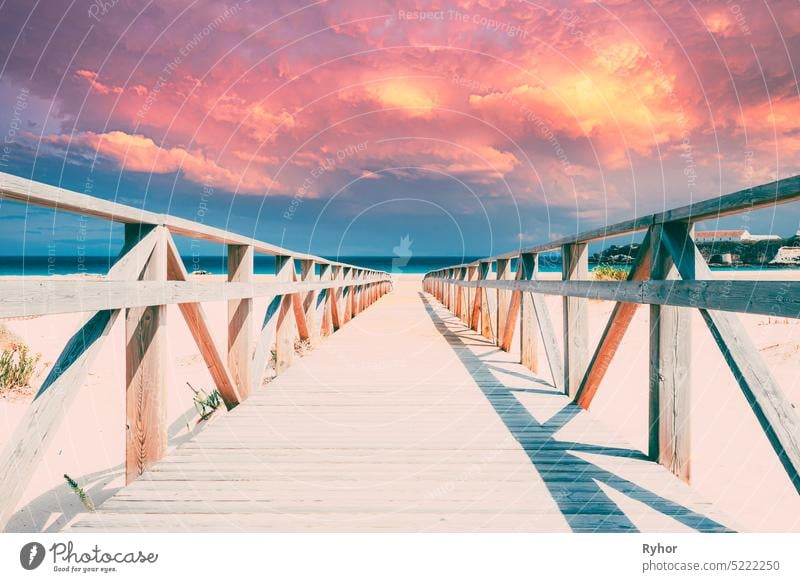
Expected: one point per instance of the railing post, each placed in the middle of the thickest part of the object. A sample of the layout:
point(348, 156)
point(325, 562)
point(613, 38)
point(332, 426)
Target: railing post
point(145, 367)
point(447, 288)
point(347, 295)
point(503, 298)
point(575, 267)
point(458, 275)
point(324, 302)
point(337, 315)
point(528, 324)
point(308, 274)
point(472, 275)
point(488, 304)
point(241, 339)
point(670, 381)
point(285, 328)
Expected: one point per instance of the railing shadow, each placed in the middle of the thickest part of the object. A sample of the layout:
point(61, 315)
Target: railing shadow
point(573, 482)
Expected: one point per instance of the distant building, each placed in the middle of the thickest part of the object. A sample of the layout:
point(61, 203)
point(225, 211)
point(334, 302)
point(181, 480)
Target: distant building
point(712, 236)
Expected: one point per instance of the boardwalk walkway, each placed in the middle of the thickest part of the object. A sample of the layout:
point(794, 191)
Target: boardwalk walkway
point(405, 420)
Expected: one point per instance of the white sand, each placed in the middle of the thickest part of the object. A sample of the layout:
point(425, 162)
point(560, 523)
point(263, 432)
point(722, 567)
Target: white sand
point(733, 464)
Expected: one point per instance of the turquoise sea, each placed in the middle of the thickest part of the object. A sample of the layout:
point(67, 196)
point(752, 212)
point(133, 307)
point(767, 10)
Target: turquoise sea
point(65, 265)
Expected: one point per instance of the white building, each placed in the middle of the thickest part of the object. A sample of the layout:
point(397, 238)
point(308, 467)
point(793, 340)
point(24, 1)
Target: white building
point(712, 236)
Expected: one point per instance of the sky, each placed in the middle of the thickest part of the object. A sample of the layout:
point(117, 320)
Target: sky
point(470, 127)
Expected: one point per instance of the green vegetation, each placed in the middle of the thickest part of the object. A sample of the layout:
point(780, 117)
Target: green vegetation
point(205, 404)
point(17, 366)
point(609, 273)
point(79, 492)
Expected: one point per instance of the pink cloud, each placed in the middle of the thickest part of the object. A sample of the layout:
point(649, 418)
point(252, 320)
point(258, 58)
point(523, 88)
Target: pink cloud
point(137, 153)
point(572, 98)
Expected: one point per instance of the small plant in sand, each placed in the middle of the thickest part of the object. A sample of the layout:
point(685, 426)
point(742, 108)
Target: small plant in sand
point(205, 404)
point(79, 491)
point(17, 366)
point(302, 346)
point(609, 273)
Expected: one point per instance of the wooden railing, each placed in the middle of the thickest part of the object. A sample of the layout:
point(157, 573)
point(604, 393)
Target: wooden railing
point(671, 276)
point(148, 275)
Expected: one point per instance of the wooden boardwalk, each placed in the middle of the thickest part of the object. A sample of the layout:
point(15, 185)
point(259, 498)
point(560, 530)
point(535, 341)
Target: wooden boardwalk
point(405, 420)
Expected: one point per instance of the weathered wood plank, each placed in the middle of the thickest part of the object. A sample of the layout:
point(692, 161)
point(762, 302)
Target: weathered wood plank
point(774, 298)
point(307, 455)
point(503, 299)
point(299, 310)
point(23, 298)
point(615, 329)
point(241, 340)
point(323, 304)
point(528, 267)
point(766, 195)
point(775, 413)
point(575, 266)
point(308, 273)
point(337, 316)
point(145, 370)
point(488, 306)
point(670, 365)
point(196, 321)
point(286, 330)
point(45, 414)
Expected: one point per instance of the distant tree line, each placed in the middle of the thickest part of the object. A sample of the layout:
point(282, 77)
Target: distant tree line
point(737, 253)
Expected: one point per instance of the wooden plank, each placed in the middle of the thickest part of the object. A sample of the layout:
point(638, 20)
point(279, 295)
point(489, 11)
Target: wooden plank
point(528, 268)
point(458, 300)
point(35, 430)
point(28, 297)
point(308, 273)
point(762, 196)
point(774, 298)
point(342, 454)
point(323, 303)
point(299, 310)
point(575, 266)
point(241, 340)
point(477, 302)
point(615, 329)
point(286, 330)
point(670, 365)
point(775, 413)
point(347, 296)
point(472, 275)
point(145, 369)
point(503, 299)
point(197, 322)
point(488, 306)
point(512, 312)
point(337, 317)
point(45, 195)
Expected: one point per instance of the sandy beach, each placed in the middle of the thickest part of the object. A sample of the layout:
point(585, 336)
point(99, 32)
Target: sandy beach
point(733, 464)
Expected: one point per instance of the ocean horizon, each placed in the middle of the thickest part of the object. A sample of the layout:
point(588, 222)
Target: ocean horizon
point(37, 266)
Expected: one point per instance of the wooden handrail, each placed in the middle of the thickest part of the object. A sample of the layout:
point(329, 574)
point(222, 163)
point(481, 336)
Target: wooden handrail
point(27, 191)
point(148, 275)
point(772, 194)
point(671, 276)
